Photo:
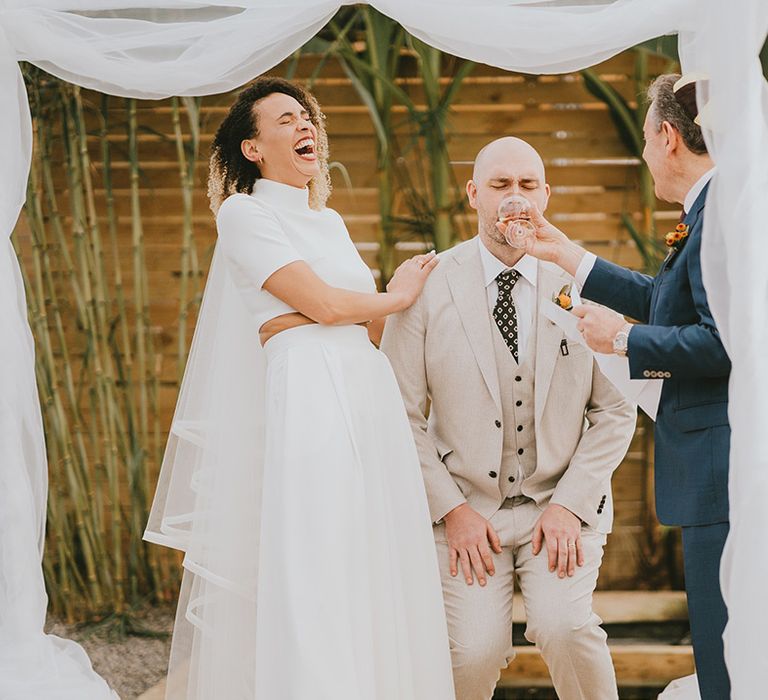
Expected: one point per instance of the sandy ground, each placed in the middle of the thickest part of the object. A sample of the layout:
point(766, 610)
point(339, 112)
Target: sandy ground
point(131, 664)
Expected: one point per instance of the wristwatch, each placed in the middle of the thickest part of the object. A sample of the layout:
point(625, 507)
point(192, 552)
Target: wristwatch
point(621, 341)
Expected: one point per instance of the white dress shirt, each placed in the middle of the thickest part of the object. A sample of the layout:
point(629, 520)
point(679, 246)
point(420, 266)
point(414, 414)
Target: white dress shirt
point(523, 293)
point(588, 261)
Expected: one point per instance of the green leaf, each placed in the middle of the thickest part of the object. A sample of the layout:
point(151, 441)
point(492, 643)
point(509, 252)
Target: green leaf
point(360, 67)
point(623, 115)
point(373, 109)
point(453, 87)
point(192, 105)
point(664, 46)
point(649, 250)
point(338, 165)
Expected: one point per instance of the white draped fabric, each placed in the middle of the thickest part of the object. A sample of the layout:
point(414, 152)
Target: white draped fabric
point(159, 48)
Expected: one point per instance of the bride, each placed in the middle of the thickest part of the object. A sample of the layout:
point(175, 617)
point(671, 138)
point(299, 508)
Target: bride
point(290, 479)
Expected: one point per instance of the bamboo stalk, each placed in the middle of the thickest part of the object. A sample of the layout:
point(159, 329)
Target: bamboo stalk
point(647, 188)
point(48, 381)
point(436, 149)
point(106, 380)
point(186, 155)
point(92, 544)
point(58, 449)
point(88, 527)
point(148, 385)
point(61, 597)
point(116, 425)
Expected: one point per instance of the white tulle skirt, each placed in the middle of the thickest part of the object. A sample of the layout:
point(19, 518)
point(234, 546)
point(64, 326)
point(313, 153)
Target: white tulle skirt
point(292, 484)
point(349, 600)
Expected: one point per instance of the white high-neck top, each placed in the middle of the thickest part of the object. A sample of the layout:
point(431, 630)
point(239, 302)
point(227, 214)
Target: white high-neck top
point(273, 227)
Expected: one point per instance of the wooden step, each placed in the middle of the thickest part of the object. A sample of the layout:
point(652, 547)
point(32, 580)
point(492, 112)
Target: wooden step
point(637, 666)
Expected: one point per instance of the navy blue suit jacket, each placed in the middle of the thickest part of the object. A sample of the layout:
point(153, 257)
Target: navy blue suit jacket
point(679, 343)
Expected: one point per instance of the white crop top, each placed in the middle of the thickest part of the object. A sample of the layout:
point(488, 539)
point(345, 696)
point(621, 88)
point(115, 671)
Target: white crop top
point(274, 226)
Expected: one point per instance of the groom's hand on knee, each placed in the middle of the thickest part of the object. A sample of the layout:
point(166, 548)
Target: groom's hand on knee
point(560, 530)
point(469, 535)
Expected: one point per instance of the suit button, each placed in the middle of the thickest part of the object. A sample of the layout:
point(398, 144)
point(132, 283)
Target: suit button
point(492, 474)
point(519, 428)
point(498, 423)
point(518, 403)
point(646, 373)
point(511, 479)
point(520, 451)
point(667, 374)
point(599, 510)
point(518, 379)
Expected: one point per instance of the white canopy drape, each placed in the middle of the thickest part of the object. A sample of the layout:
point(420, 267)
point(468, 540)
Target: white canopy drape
point(159, 48)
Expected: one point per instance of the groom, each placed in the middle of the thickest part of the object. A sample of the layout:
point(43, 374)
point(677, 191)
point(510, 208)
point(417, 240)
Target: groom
point(518, 448)
point(678, 342)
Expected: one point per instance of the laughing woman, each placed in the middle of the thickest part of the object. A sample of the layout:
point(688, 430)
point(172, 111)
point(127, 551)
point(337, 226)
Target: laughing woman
point(291, 480)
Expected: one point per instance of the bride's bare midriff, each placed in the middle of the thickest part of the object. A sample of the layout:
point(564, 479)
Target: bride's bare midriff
point(283, 323)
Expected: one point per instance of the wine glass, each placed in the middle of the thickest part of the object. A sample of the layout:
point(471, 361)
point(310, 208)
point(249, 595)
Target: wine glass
point(515, 211)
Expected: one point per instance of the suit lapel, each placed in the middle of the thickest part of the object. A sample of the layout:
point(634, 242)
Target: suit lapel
point(690, 220)
point(469, 295)
point(548, 337)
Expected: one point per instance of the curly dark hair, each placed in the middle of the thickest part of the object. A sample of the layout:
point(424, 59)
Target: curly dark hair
point(667, 108)
point(230, 171)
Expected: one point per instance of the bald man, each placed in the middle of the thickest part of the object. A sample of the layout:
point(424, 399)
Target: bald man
point(517, 450)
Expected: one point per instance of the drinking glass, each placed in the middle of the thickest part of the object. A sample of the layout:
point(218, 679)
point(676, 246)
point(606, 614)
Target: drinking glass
point(515, 211)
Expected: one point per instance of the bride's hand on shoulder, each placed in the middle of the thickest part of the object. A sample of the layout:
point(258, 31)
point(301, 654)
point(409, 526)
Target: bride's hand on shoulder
point(410, 276)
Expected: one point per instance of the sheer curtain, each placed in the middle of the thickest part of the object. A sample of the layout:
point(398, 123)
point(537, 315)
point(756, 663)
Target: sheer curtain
point(158, 48)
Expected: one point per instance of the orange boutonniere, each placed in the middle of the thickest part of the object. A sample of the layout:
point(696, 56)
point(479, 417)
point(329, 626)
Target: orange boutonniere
point(563, 298)
point(673, 238)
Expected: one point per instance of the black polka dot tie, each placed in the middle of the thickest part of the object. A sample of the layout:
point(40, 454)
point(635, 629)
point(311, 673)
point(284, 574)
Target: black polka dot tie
point(504, 312)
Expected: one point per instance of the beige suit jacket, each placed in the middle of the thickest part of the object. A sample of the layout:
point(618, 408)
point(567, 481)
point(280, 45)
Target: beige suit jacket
point(441, 350)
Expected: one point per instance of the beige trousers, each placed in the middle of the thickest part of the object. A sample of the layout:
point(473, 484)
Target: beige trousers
point(560, 619)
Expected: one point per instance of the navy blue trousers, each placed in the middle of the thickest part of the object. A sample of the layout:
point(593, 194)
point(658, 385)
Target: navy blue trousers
point(702, 550)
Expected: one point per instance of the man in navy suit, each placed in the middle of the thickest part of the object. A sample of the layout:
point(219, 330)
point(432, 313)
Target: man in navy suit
point(677, 341)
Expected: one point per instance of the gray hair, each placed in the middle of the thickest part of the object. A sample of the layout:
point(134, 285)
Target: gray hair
point(666, 108)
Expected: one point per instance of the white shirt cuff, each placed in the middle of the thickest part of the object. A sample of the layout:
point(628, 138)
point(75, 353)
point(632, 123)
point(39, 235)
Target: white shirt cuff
point(585, 267)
